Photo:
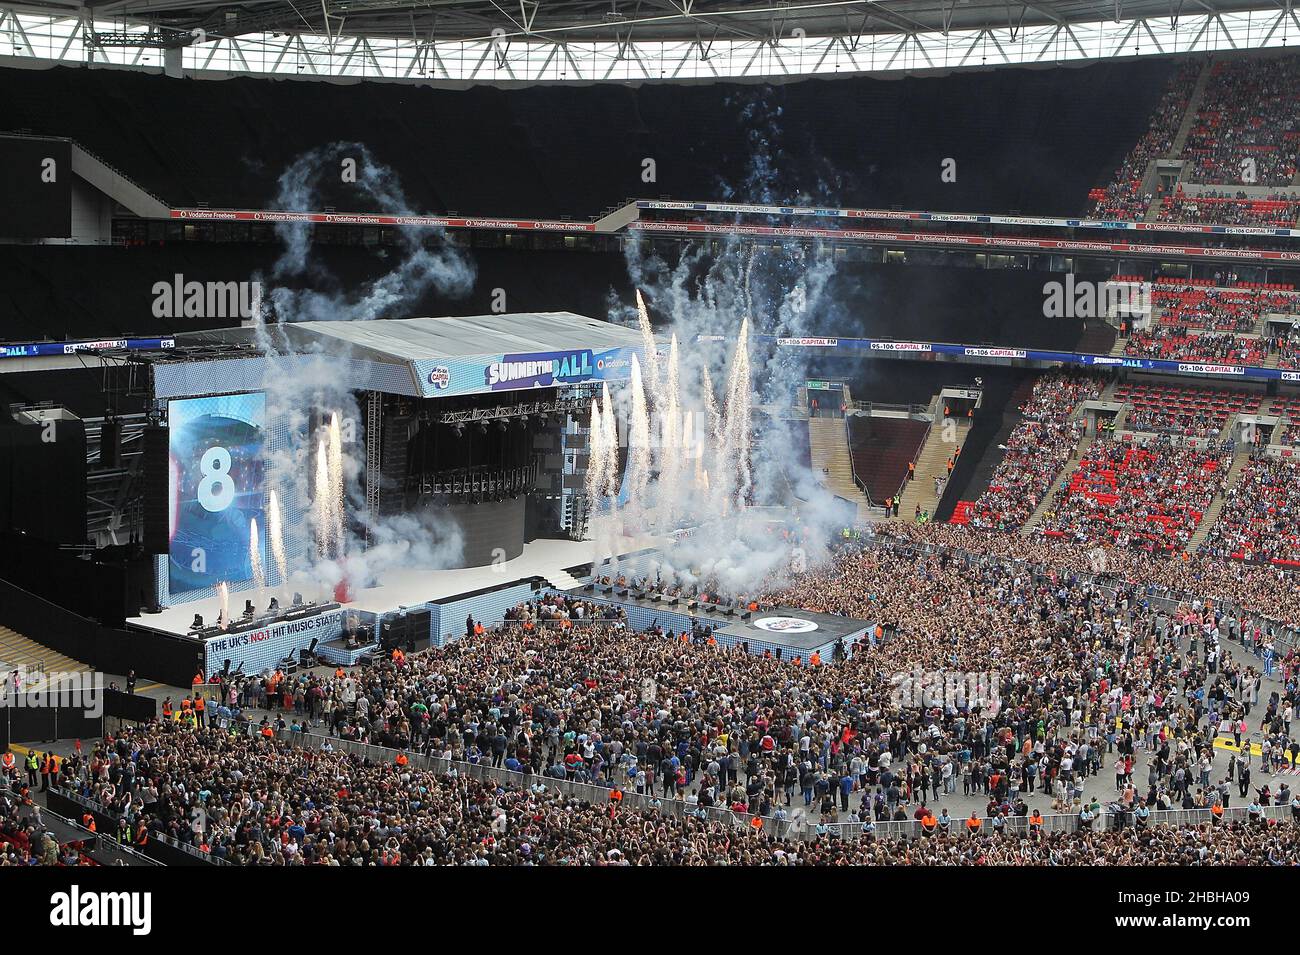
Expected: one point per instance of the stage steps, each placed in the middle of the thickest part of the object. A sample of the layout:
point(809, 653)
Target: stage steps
point(829, 446)
point(563, 580)
point(18, 652)
point(932, 462)
point(1212, 513)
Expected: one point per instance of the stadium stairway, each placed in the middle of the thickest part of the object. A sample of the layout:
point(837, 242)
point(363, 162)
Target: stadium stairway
point(829, 444)
point(1193, 106)
point(1059, 483)
point(1212, 513)
point(932, 462)
point(19, 652)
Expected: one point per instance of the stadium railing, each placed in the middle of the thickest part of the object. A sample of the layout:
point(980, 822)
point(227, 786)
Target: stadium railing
point(186, 852)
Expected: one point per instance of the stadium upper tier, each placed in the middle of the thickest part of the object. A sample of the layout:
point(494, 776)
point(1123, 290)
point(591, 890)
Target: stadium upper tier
point(1221, 145)
point(1032, 141)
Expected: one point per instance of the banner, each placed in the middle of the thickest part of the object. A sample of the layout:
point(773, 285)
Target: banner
point(1030, 354)
point(1003, 243)
point(741, 208)
point(263, 648)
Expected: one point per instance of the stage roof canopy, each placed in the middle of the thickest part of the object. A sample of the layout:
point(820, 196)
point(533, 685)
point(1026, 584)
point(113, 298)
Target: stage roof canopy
point(433, 357)
point(413, 339)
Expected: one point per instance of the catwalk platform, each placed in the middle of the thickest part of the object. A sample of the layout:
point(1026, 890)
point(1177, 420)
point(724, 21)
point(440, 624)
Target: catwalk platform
point(400, 589)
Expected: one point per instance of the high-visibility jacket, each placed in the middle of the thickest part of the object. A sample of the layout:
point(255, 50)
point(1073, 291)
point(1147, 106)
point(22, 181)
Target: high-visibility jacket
point(167, 709)
point(928, 823)
point(7, 761)
point(974, 825)
point(33, 761)
point(199, 705)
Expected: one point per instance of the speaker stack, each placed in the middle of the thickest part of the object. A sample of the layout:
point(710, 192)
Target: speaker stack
point(157, 490)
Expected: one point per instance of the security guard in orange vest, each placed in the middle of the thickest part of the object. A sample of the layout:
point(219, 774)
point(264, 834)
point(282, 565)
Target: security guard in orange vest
point(9, 765)
point(88, 822)
point(167, 709)
point(199, 707)
point(974, 824)
point(47, 768)
point(928, 824)
point(1035, 822)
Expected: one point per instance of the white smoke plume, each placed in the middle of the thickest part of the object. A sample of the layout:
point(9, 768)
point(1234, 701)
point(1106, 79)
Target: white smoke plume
point(744, 440)
point(320, 472)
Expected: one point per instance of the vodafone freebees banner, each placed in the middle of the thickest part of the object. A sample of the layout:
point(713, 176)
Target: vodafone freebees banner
point(796, 232)
point(954, 238)
point(742, 208)
point(366, 218)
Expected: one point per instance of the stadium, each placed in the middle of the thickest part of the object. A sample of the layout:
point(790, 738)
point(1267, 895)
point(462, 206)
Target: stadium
point(679, 433)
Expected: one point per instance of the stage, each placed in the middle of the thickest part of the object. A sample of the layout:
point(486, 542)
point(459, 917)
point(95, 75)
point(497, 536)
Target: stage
point(401, 589)
point(785, 631)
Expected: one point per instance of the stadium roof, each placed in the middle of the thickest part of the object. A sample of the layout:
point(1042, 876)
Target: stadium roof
point(518, 42)
point(620, 20)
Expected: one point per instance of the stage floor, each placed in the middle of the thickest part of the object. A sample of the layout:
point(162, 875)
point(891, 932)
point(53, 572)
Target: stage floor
point(789, 627)
point(411, 588)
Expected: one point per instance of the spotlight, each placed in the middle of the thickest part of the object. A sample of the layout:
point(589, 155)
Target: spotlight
point(501, 425)
point(274, 604)
point(198, 622)
point(248, 608)
point(297, 599)
point(482, 428)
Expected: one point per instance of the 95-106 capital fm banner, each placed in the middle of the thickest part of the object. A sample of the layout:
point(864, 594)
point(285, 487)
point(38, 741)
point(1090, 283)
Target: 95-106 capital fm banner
point(216, 451)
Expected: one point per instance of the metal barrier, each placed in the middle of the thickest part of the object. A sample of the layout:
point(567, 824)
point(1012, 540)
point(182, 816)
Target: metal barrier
point(99, 809)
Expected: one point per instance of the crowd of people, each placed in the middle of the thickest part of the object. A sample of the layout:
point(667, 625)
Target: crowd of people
point(1276, 209)
point(1260, 519)
point(1217, 309)
point(1178, 343)
point(1123, 198)
point(1245, 133)
point(1247, 128)
point(1146, 493)
point(1036, 451)
point(1083, 678)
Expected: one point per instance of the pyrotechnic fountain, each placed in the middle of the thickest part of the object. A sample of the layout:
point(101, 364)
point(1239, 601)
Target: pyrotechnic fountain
point(224, 593)
point(321, 503)
point(275, 530)
point(638, 452)
point(255, 555)
point(337, 522)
